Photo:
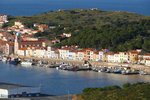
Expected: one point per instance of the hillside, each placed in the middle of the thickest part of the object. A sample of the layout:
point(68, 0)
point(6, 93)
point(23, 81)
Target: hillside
point(118, 31)
point(138, 91)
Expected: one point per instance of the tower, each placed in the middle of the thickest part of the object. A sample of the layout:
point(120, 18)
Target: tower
point(16, 43)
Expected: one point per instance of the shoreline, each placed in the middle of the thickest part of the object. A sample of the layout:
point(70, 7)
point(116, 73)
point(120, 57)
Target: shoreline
point(93, 63)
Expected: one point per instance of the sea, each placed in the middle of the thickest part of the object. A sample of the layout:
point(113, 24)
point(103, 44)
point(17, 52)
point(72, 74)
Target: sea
point(60, 82)
point(33, 7)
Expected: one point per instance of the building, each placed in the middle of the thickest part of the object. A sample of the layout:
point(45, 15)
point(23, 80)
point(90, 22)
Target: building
point(67, 35)
point(147, 62)
point(14, 90)
point(88, 54)
point(133, 56)
point(3, 19)
point(80, 55)
point(110, 56)
point(63, 53)
point(18, 24)
point(42, 27)
point(96, 56)
point(101, 55)
point(6, 48)
point(123, 56)
point(29, 48)
point(72, 55)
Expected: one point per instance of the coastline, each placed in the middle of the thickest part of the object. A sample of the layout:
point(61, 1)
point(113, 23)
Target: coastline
point(93, 63)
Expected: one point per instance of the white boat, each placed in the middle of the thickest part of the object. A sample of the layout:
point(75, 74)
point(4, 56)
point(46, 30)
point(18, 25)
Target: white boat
point(27, 63)
point(4, 59)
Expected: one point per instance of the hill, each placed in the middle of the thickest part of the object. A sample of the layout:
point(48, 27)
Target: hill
point(138, 91)
point(117, 31)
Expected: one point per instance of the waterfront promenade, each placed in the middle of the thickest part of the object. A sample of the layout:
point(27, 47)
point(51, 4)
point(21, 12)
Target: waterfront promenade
point(93, 63)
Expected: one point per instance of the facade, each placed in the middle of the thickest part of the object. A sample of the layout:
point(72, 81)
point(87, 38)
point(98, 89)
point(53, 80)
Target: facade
point(96, 56)
point(110, 56)
point(18, 24)
point(101, 55)
point(64, 53)
point(80, 55)
point(147, 62)
point(3, 19)
point(123, 57)
point(133, 56)
point(88, 54)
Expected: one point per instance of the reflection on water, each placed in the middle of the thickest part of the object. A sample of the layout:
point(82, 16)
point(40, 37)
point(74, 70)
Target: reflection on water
point(60, 82)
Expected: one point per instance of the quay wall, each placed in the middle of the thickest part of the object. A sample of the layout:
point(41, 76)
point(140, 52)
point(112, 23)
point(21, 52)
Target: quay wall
point(93, 63)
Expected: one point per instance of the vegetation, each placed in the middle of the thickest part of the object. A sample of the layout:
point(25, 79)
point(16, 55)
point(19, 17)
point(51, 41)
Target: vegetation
point(117, 31)
point(138, 91)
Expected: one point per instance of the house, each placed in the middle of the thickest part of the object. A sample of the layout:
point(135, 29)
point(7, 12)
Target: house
point(101, 55)
point(6, 48)
point(96, 56)
point(18, 24)
point(124, 58)
point(3, 19)
point(67, 35)
point(72, 55)
point(147, 62)
point(133, 56)
point(121, 57)
point(5, 36)
point(117, 58)
point(110, 56)
point(52, 53)
point(42, 27)
point(88, 54)
point(31, 48)
point(63, 53)
point(142, 58)
point(80, 55)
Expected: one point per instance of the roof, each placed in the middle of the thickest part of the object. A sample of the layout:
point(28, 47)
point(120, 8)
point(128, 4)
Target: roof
point(110, 53)
point(148, 54)
point(10, 86)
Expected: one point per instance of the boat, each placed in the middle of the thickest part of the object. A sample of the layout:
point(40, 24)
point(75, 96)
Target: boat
point(27, 63)
point(117, 71)
point(143, 73)
point(15, 61)
point(4, 59)
point(129, 72)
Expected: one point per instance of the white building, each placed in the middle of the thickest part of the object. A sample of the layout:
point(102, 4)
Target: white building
point(110, 57)
point(15, 90)
point(101, 55)
point(147, 62)
point(72, 55)
point(80, 55)
point(52, 53)
point(63, 53)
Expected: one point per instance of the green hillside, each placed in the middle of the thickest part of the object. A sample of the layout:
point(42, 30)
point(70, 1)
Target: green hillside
point(138, 91)
point(118, 31)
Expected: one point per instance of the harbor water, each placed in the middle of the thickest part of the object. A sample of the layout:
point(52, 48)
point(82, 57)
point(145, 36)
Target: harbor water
point(59, 82)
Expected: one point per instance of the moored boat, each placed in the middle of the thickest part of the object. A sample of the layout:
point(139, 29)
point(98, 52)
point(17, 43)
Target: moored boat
point(27, 63)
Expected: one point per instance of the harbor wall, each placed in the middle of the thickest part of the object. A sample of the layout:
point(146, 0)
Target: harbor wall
point(93, 63)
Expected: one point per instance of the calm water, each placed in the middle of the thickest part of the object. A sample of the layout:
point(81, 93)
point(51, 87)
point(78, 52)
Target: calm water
point(30, 7)
point(60, 82)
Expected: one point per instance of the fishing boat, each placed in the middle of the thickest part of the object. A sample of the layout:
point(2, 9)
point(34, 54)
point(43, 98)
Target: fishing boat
point(26, 63)
point(4, 59)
